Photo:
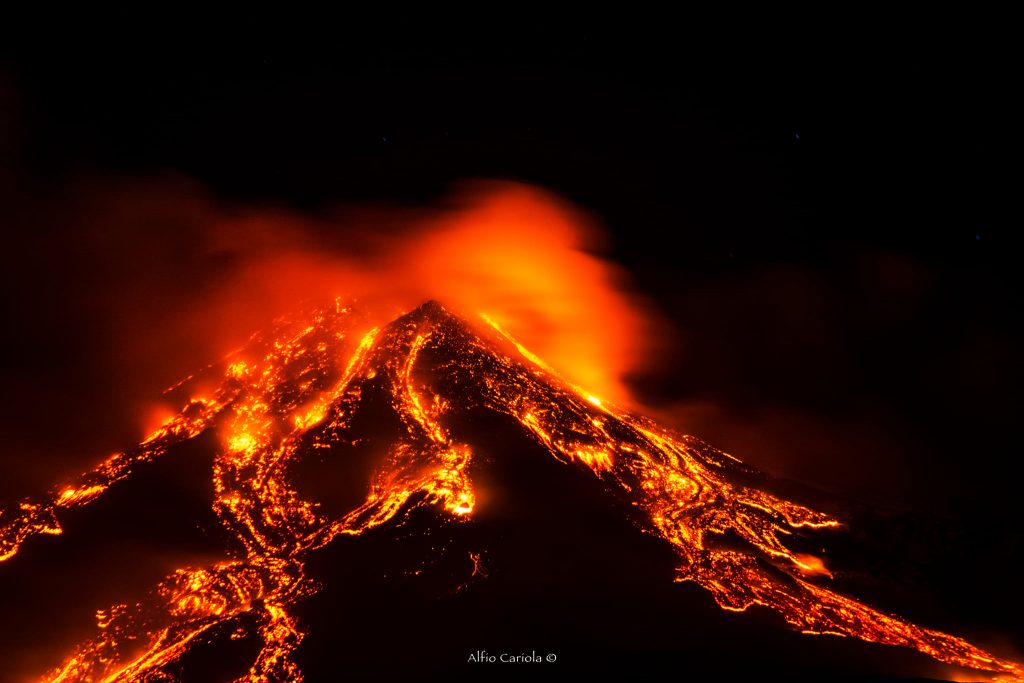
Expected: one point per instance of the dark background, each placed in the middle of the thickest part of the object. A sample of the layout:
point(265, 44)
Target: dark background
point(826, 217)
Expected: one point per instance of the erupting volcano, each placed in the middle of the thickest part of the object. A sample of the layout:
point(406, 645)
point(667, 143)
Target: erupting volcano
point(332, 386)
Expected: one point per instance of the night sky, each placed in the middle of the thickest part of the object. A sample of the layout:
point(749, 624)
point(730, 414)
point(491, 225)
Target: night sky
point(827, 223)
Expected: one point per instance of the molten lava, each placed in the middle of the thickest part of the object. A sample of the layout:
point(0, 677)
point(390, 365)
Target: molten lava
point(295, 391)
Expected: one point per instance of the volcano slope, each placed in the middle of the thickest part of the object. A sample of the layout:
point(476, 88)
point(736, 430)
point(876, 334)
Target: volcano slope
point(338, 498)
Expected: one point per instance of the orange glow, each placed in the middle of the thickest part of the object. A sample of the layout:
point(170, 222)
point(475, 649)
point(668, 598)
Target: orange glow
point(595, 458)
point(78, 496)
point(241, 442)
point(156, 418)
point(521, 260)
point(809, 564)
point(526, 258)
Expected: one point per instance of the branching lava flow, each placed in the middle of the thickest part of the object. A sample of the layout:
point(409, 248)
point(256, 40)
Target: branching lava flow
point(295, 390)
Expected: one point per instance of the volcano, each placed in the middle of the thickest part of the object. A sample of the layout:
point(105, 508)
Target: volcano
point(423, 497)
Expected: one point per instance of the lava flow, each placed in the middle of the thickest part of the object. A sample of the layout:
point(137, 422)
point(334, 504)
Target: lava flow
point(296, 390)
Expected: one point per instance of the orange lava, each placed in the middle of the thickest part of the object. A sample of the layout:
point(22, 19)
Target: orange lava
point(296, 389)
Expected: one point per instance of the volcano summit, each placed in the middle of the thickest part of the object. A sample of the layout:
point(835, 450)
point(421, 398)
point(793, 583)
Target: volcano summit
point(417, 433)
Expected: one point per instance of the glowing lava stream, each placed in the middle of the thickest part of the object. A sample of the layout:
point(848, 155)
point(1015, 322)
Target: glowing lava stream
point(286, 395)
